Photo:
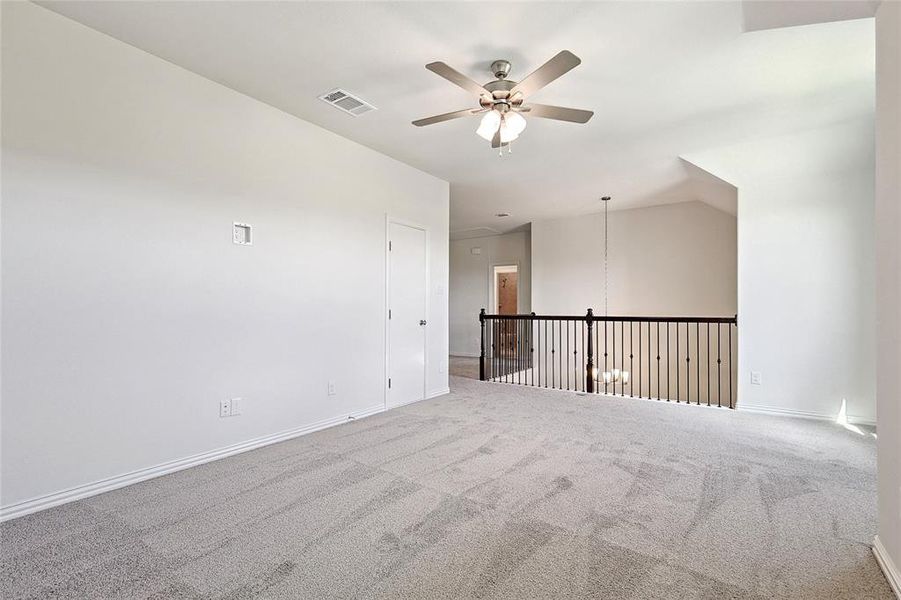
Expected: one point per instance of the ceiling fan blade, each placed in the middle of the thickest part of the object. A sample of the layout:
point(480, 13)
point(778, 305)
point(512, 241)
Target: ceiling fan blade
point(458, 78)
point(466, 112)
point(560, 113)
point(546, 73)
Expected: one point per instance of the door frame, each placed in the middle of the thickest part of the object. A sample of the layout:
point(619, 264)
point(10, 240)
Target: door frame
point(389, 220)
point(492, 286)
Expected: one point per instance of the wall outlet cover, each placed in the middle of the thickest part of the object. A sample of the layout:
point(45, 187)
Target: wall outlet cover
point(756, 378)
point(225, 408)
point(332, 388)
point(242, 234)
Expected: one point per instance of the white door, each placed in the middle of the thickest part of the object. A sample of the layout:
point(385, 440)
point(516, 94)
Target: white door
point(407, 314)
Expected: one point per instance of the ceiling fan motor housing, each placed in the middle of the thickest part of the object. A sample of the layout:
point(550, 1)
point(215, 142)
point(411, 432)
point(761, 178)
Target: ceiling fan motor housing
point(500, 68)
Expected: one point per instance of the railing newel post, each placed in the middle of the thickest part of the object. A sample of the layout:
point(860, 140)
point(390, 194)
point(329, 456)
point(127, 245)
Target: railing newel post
point(482, 344)
point(589, 365)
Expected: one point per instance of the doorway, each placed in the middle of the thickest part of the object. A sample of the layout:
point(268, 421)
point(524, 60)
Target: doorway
point(506, 289)
point(407, 311)
point(506, 301)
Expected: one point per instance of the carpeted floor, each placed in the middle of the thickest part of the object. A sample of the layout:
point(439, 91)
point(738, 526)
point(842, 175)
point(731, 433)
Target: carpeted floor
point(493, 491)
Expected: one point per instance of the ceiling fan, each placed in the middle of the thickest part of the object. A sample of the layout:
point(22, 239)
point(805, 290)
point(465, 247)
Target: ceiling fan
point(502, 101)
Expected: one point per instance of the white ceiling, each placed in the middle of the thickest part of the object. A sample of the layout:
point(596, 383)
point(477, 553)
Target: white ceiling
point(664, 78)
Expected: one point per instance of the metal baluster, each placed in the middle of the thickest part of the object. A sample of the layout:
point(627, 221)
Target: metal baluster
point(553, 357)
point(613, 343)
point(639, 359)
point(532, 347)
point(605, 353)
point(493, 348)
point(719, 362)
point(519, 350)
point(669, 372)
point(584, 358)
point(576, 368)
point(508, 349)
point(698, 357)
point(631, 366)
point(658, 360)
point(503, 357)
point(708, 364)
point(677, 361)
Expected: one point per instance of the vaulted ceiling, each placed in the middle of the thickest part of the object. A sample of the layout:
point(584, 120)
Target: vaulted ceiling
point(665, 79)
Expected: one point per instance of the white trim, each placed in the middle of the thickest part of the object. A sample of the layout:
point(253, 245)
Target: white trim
point(40, 503)
point(891, 571)
point(492, 283)
point(428, 396)
point(803, 414)
point(464, 354)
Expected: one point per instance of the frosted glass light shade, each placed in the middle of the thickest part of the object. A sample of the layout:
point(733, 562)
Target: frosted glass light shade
point(512, 124)
point(515, 122)
point(489, 124)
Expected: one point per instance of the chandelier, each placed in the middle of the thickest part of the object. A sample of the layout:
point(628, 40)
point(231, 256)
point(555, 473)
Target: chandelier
point(616, 375)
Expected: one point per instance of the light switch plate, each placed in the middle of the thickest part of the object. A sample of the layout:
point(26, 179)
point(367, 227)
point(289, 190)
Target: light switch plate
point(756, 378)
point(332, 388)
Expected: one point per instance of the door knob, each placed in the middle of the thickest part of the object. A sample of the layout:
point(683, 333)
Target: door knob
point(422, 321)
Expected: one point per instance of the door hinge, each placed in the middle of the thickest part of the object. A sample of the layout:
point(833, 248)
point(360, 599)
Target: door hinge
point(389, 383)
point(389, 245)
point(389, 313)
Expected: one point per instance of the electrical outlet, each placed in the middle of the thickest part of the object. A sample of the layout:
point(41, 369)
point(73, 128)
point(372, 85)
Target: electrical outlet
point(236, 406)
point(331, 388)
point(442, 367)
point(756, 378)
point(225, 408)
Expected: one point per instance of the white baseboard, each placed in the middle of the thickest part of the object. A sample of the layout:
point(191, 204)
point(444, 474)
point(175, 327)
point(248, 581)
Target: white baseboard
point(804, 414)
point(40, 503)
point(428, 396)
point(892, 574)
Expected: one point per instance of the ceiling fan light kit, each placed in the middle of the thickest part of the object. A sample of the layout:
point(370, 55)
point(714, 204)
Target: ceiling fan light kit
point(501, 101)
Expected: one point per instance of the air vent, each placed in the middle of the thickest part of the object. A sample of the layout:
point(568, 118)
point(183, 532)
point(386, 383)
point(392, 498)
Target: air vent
point(344, 100)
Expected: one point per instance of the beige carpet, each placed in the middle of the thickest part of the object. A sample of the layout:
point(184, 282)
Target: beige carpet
point(494, 491)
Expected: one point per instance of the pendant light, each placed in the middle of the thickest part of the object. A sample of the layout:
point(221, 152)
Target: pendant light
point(616, 375)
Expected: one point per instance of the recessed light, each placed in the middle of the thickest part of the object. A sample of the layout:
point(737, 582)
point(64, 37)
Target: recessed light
point(502, 215)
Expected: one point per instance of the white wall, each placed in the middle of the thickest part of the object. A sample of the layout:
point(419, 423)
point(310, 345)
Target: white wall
point(673, 260)
point(471, 287)
point(805, 268)
point(127, 313)
point(888, 282)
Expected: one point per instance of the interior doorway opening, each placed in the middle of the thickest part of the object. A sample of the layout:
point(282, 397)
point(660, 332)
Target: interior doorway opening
point(506, 289)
